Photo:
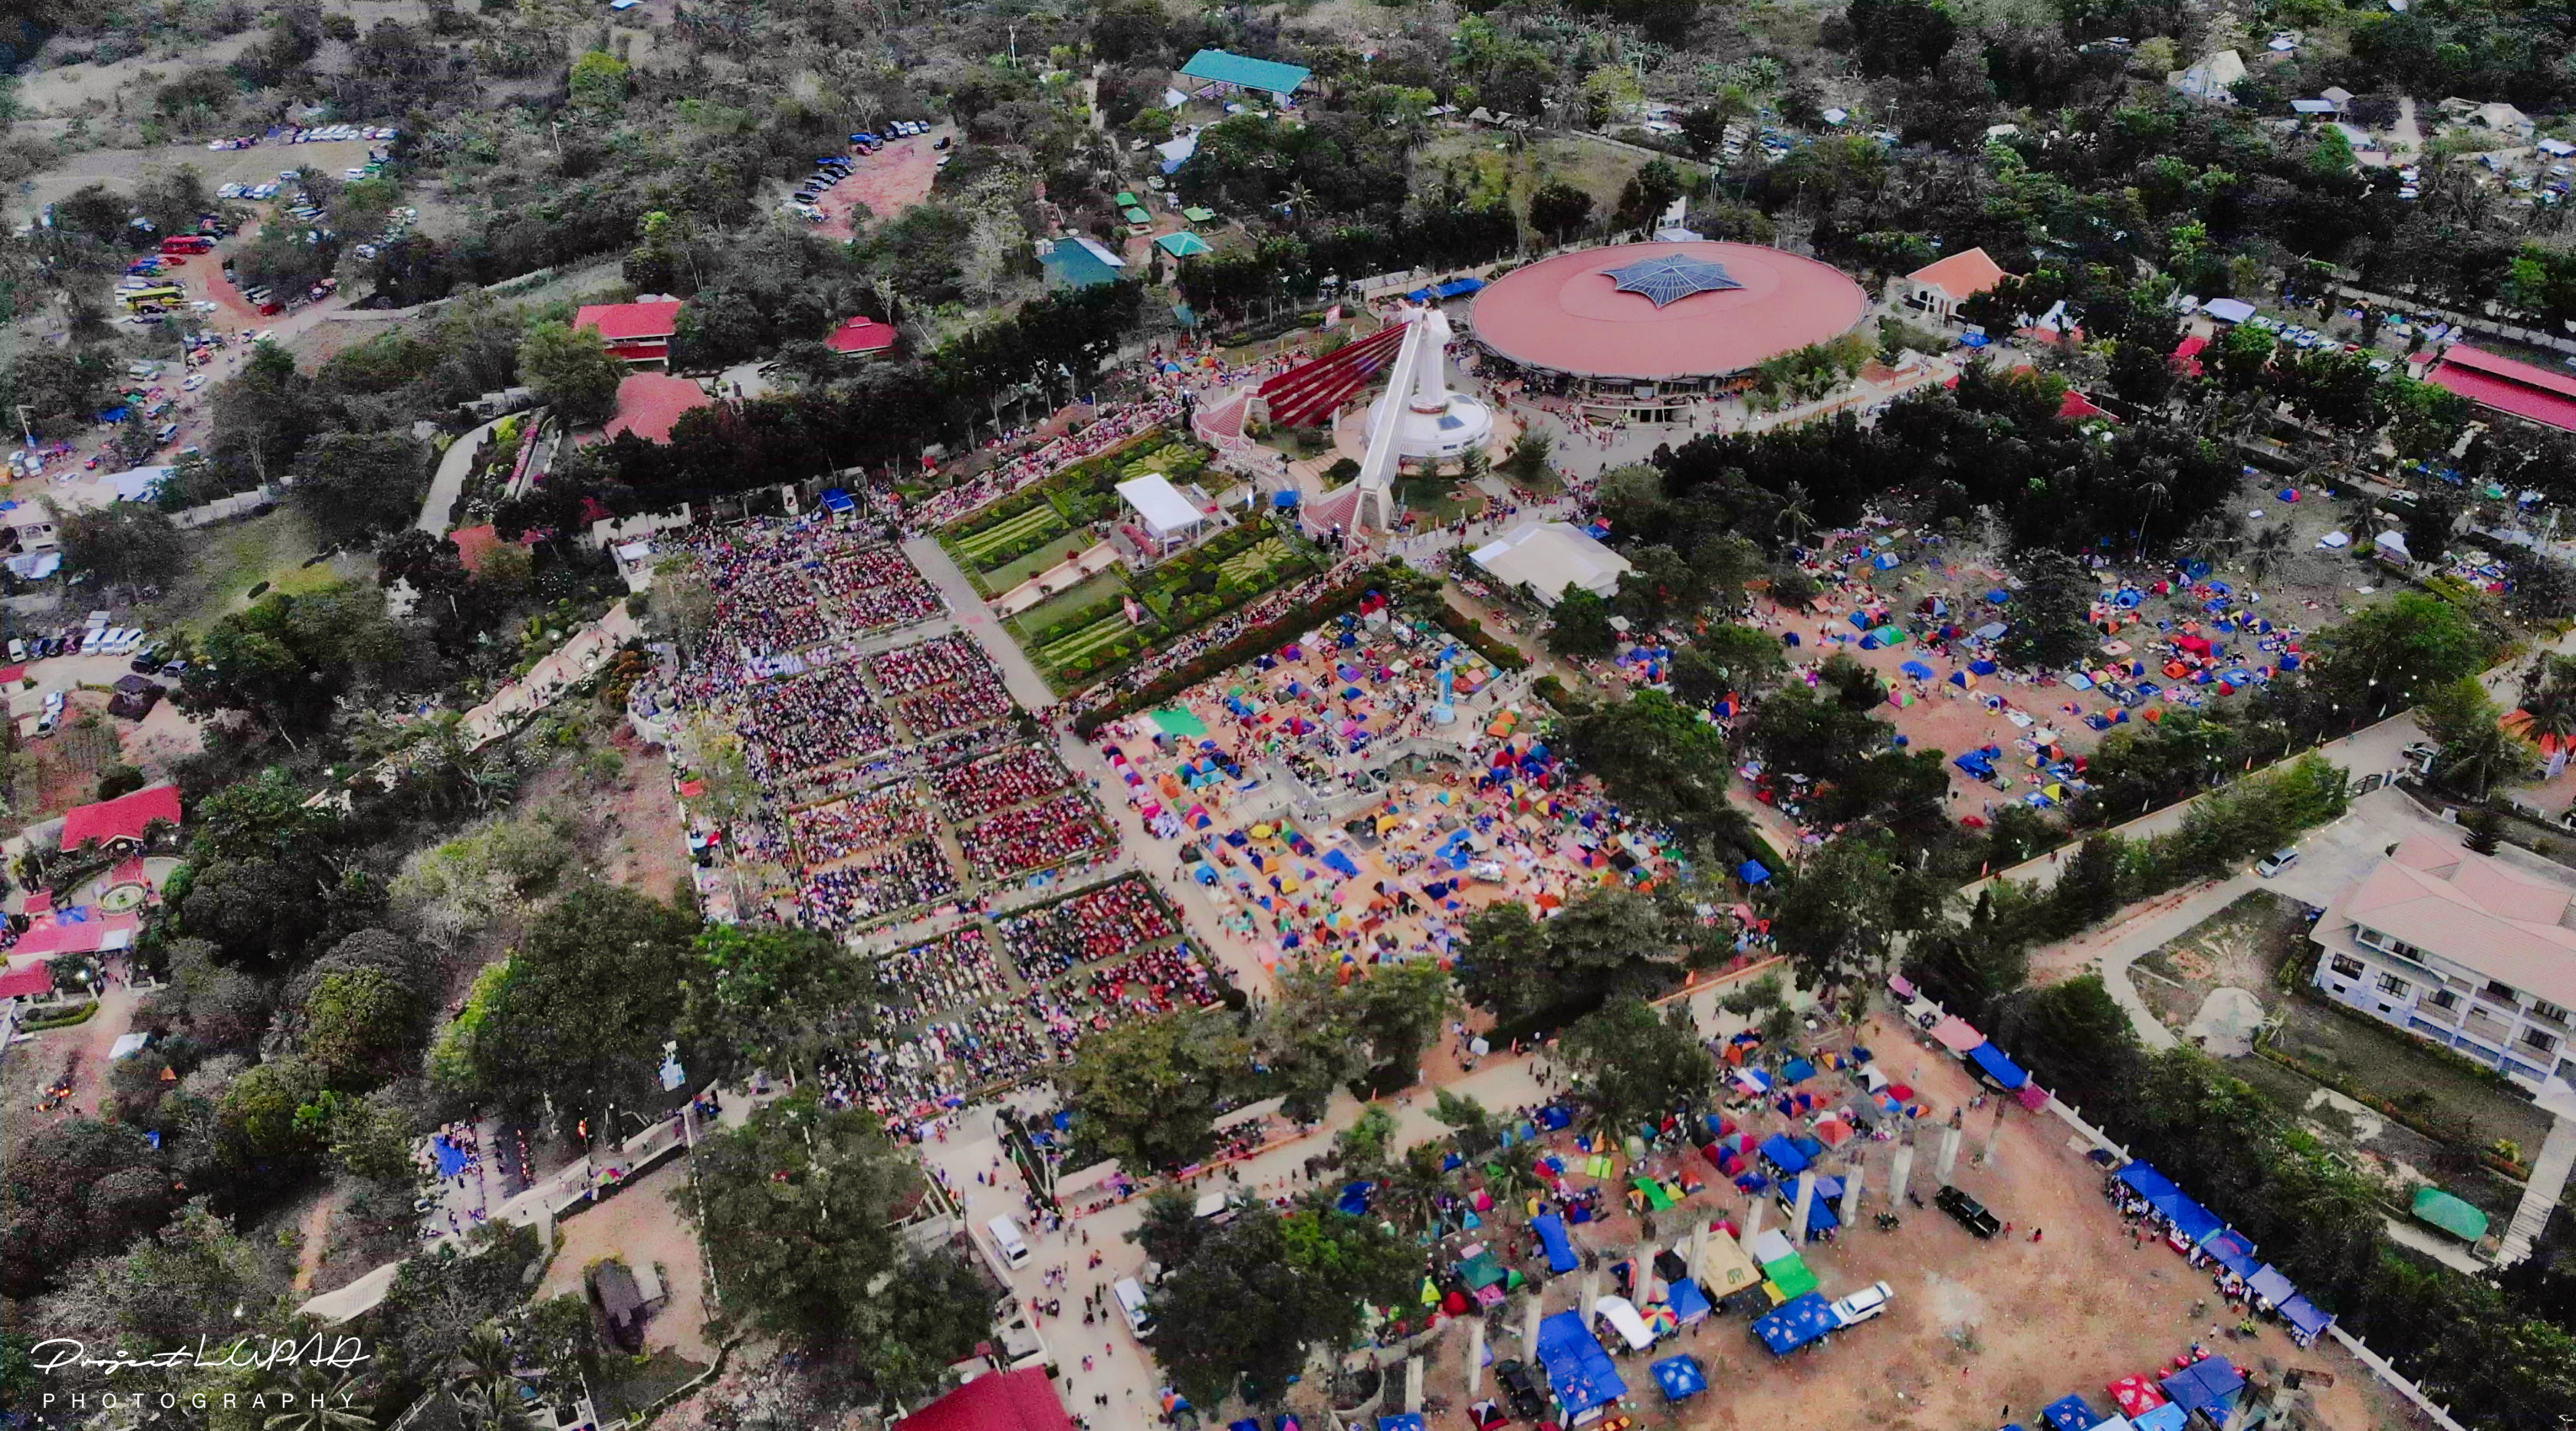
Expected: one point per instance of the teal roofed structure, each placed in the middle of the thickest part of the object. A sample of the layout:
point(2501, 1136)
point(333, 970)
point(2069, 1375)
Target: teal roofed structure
point(1229, 71)
point(1081, 262)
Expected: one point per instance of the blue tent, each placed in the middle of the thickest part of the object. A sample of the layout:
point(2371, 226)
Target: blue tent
point(1249, 1423)
point(1998, 596)
point(1797, 1070)
point(1408, 1421)
point(2209, 1386)
point(1999, 1068)
point(1796, 1322)
point(2146, 1182)
point(2303, 1314)
point(2167, 1417)
point(1752, 872)
point(1917, 670)
point(1690, 1304)
point(1887, 561)
point(1560, 1248)
point(2270, 1285)
point(1354, 1198)
point(1457, 286)
point(1578, 1370)
point(1283, 500)
point(1680, 1377)
point(2069, 1413)
point(2233, 1250)
point(1554, 1118)
point(1784, 1155)
point(1337, 860)
point(2193, 1221)
point(836, 500)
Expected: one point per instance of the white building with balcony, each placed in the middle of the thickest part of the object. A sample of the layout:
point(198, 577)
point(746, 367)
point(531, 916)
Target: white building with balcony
point(2462, 950)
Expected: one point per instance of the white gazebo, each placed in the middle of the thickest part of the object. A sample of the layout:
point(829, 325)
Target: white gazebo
point(1547, 557)
point(1166, 517)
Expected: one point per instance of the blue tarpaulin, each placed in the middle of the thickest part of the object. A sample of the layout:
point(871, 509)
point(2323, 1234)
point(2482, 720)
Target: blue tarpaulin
point(2192, 1220)
point(2146, 1182)
point(1680, 1377)
point(1690, 1304)
point(2209, 1385)
point(2167, 1417)
point(1781, 1153)
point(2271, 1285)
point(1578, 1370)
point(1752, 872)
point(1998, 1067)
point(1560, 1248)
point(836, 500)
point(2069, 1413)
point(1795, 1323)
point(1354, 1198)
point(1337, 860)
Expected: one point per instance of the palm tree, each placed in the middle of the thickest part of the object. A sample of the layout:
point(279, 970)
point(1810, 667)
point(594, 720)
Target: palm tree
point(481, 1406)
point(2268, 549)
point(486, 1356)
point(1795, 517)
point(331, 1406)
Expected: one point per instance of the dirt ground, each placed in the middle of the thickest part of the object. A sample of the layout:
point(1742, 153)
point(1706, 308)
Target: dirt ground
point(2243, 947)
point(119, 168)
point(889, 181)
point(642, 1225)
point(1978, 1333)
point(631, 831)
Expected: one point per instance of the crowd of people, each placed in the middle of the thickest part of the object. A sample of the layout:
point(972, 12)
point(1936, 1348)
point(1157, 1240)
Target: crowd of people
point(975, 699)
point(1156, 982)
point(934, 662)
point(952, 971)
point(825, 834)
point(975, 788)
point(876, 884)
point(1106, 431)
point(1098, 923)
point(822, 717)
point(1034, 837)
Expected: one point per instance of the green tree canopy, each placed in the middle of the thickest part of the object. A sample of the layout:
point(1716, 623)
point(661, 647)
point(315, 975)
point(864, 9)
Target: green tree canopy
point(1632, 1066)
point(1250, 1299)
point(573, 369)
point(1147, 1092)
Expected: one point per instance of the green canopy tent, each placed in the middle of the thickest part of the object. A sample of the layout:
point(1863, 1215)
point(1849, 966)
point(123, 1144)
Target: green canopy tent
point(1181, 721)
point(1123, 199)
point(2449, 1213)
point(1135, 215)
point(1184, 244)
point(1197, 215)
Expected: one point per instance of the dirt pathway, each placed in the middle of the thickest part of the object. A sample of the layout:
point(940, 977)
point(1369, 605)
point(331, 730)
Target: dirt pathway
point(315, 1230)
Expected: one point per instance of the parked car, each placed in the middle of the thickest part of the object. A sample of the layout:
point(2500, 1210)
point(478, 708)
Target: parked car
point(1968, 1212)
point(2276, 862)
point(1864, 1305)
point(1520, 1389)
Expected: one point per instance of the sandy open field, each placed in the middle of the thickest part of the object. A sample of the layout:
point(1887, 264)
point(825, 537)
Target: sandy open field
point(1979, 1333)
point(119, 168)
point(889, 181)
point(642, 1225)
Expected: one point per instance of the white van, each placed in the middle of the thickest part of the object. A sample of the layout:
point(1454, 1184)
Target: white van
point(1131, 1300)
point(1008, 1241)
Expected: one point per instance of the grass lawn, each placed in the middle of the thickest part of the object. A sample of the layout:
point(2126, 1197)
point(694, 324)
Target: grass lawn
point(1439, 499)
point(2391, 1066)
point(226, 561)
point(1063, 604)
point(1011, 573)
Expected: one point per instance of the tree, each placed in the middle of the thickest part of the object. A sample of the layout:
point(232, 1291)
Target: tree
point(329, 1404)
point(1899, 37)
point(1580, 624)
point(72, 1188)
point(2477, 752)
point(1147, 1092)
point(121, 544)
point(2430, 520)
point(1661, 760)
point(362, 1027)
point(774, 998)
point(1603, 944)
point(1840, 910)
point(1648, 192)
point(2051, 612)
point(1368, 1032)
point(354, 484)
point(1560, 211)
point(289, 657)
point(797, 1210)
point(572, 369)
point(1250, 1299)
point(263, 416)
point(2392, 654)
point(579, 1013)
point(1632, 1066)
point(2075, 1039)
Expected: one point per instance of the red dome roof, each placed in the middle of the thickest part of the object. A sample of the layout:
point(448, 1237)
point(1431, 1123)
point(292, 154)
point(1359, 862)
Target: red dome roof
point(1568, 314)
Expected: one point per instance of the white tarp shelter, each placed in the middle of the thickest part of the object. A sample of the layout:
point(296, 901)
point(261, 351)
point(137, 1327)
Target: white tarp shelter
point(1167, 514)
point(1547, 557)
point(1622, 1316)
point(2228, 310)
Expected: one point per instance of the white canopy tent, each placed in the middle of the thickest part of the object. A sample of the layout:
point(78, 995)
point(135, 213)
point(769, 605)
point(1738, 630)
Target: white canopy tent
point(1547, 557)
point(1168, 516)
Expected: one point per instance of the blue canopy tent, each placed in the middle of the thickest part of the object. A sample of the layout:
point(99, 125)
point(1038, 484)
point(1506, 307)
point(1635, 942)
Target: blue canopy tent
point(1998, 1067)
point(1917, 670)
point(1458, 287)
point(2146, 1182)
point(2233, 1249)
point(2193, 1221)
point(2209, 1386)
point(2069, 1413)
point(1354, 1198)
point(1752, 872)
point(1578, 1370)
point(2272, 1285)
point(1408, 1421)
point(1796, 1322)
point(1249, 1423)
point(838, 501)
point(2167, 1417)
point(1339, 861)
point(1784, 1155)
point(1690, 1304)
point(1555, 1118)
point(2304, 1315)
point(1282, 501)
point(1797, 1070)
point(1680, 1377)
point(1560, 1248)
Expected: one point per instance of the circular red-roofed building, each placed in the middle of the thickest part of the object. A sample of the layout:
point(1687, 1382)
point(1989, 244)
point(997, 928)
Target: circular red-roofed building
point(1659, 319)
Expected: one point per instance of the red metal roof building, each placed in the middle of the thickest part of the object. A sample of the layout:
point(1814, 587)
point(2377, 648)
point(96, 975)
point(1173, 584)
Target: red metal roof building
point(1023, 1400)
point(1598, 314)
point(33, 982)
point(123, 819)
point(636, 332)
point(861, 338)
point(2503, 385)
point(650, 404)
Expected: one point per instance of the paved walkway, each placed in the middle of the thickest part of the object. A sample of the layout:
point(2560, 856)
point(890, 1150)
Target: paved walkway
point(2548, 1182)
point(454, 465)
